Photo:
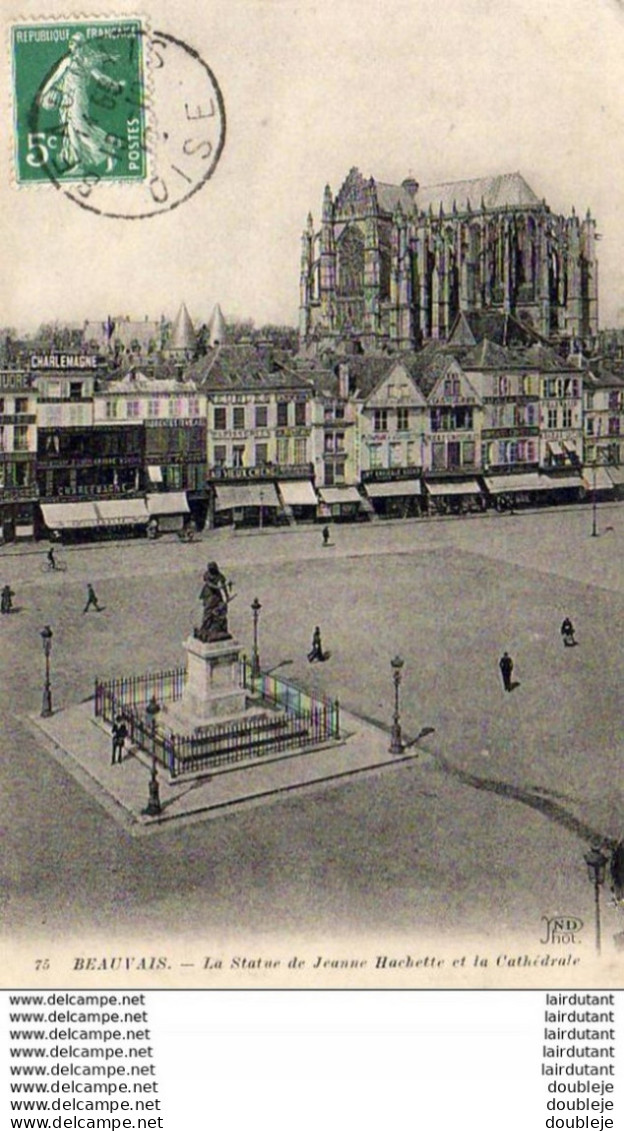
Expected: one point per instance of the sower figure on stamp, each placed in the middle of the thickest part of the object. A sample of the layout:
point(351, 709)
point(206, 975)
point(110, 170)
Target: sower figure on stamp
point(120, 733)
point(85, 145)
point(506, 668)
point(215, 596)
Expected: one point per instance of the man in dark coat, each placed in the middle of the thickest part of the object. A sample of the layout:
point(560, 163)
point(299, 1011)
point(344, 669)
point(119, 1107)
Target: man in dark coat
point(506, 666)
point(91, 599)
point(120, 733)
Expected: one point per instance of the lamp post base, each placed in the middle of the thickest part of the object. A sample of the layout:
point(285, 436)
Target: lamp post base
point(154, 807)
point(396, 741)
point(46, 704)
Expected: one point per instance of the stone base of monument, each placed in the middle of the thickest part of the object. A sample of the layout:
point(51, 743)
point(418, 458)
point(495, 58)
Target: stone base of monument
point(213, 691)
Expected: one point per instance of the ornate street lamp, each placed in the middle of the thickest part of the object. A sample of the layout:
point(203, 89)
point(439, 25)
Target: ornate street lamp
point(46, 640)
point(154, 807)
point(396, 742)
point(596, 866)
point(255, 655)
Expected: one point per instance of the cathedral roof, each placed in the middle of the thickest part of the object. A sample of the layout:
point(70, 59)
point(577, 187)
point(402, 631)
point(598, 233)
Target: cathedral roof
point(390, 196)
point(507, 190)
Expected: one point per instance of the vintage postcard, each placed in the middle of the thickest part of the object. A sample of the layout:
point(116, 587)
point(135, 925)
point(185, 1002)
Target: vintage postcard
point(311, 494)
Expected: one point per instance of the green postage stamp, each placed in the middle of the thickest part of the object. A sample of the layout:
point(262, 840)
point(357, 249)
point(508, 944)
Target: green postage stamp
point(79, 101)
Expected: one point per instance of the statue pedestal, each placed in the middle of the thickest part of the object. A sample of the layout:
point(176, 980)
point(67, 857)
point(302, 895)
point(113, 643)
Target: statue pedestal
point(213, 690)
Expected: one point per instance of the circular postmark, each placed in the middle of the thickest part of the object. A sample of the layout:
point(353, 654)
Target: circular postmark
point(132, 138)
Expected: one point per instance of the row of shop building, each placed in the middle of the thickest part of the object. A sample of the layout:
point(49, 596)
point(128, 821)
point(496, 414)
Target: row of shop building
point(251, 436)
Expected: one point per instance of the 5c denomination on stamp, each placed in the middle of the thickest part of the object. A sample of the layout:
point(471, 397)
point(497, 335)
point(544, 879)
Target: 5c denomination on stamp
point(79, 100)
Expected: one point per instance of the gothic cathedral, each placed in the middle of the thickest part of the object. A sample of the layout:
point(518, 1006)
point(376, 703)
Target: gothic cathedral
point(393, 265)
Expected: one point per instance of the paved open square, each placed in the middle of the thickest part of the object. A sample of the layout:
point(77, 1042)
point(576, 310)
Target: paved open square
point(481, 834)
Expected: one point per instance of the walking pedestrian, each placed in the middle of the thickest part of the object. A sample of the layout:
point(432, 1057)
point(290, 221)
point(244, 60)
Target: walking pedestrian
point(120, 733)
point(91, 600)
point(6, 601)
point(316, 651)
point(506, 666)
point(567, 633)
point(51, 558)
point(326, 536)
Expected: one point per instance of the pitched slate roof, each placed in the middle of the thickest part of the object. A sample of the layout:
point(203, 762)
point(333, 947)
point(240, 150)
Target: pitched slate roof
point(390, 196)
point(242, 367)
point(471, 327)
point(507, 190)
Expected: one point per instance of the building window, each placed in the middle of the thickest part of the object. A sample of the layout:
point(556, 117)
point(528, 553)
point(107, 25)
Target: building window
point(300, 413)
point(238, 455)
point(402, 419)
point(339, 411)
point(219, 419)
point(339, 441)
point(566, 416)
point(133, 408)
point(339, 471)
point(469, 453)
point(176, 408)
point(2, 438)
point(411, 454)
point(380, 420)
point(375, 458)
point(299, 455)
point(530, 415)
point(261, 455)
point(75, 390)
point(282, 414)
point(552, 417)
point(262, 416)
point(282, 450)
point(589, 425)
point(173, 477)
point(614, 400)
point(438, 455)
point(503, 386)
point(220, 455)
point(110, 411)
point(614, 426)
point(153, 408)
point(20, 438)
point(193, 406)
point(21, 405)
point(238, 416)
point(2, 408)
point(396, 455)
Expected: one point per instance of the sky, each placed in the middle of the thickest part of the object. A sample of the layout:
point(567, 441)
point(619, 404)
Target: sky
point(442, 92)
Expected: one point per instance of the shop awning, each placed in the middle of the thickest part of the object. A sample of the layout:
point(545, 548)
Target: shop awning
point(394, 489)
point(555, 448)
point(617, 476)
point(562, 482)
point(465, 487)
point(230, 497)
point(570, 447)
point(169, 502)
point(507, 484)
point(298, 493)
point(69, 516)
point(154, 474)
point(339, 495)
point(121, 512)
point(598, 479)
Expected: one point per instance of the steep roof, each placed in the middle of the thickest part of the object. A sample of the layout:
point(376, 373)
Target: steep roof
point(216, 328)
point(245, 368)
point(507, 190)
point(390, 196)
point(471, 327)
point(138, 382)
point(182, 336)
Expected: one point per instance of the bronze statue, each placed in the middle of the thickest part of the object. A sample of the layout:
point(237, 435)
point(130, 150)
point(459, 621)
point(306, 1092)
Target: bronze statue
point(215, 596)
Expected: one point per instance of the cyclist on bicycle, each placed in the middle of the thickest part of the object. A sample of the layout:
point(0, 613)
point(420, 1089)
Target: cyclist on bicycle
point(51, 558)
